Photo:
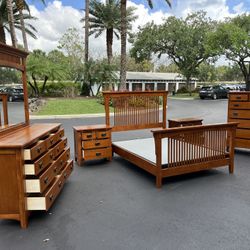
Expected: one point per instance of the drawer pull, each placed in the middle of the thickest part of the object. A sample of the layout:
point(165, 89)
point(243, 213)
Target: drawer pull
point(55, 169)
point(235, 114)
point(46, 180)
point(59, 184)
point(51, 141)
point(38, 150)
point(65, 144)
point(51, 156)
point(98, 154)
point(71, 167)
point(40, 164)
point(61, 134)
point(97, 143)
point(61, 162)
point(89, 136)
point(103, 134)
point(236, 105)
point(51, 197)
point(65, 175)
point(238, 97)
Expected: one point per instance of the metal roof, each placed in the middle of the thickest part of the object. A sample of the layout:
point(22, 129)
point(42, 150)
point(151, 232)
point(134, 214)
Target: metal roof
point(153, 76)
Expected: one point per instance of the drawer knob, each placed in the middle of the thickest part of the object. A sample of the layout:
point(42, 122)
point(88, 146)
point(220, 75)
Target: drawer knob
point(51, 197)
point(235, 114)
point(89, 136)
point(40, 164)
point(46, 180)
point(61, 134)
point(104, 134)
point(238, 97)
point(38, 150)
point(61, 162)
point(58, 149)
point(236, 105)
point(98, 154)
point(59, 184)
point(51, 156)
point(65, 144)
point(65, 175)
point(97, 143)
point(55, 169)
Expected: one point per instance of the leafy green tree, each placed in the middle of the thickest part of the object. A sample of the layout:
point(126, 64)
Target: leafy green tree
point(183, 40)
point(72, 44)
point(229, 73)
point(8, 75)
point(4, 25)
point(170, 68)
point(123, 32)
point(232, 39)
point(40, 67)
point(206, 72)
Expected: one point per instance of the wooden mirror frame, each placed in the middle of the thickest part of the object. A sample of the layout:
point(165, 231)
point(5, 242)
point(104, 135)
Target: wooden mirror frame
point(11, 57)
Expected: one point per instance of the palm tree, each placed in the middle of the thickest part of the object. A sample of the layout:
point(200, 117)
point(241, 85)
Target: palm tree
point(4, 25)
point(86, 31)
point(105, 17)
point(124, 40)
point(9, 6)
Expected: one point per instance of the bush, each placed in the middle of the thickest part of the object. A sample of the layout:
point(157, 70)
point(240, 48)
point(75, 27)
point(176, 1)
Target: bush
point(182, 90)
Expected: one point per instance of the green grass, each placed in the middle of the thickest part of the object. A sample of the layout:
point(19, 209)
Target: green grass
point(65, 106)
point(186, 95)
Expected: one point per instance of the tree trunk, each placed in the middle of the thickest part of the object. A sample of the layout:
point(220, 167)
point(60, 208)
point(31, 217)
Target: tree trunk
point(44, 84)
point(25, 43)
point(86, 31)
point(11, 22)
point(2, 34)
point(109, 41)
point(189, 85)
point(248, 78)
point(123, 45)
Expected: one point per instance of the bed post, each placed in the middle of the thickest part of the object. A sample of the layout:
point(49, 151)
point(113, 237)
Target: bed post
point(106, 103)
point(158, 153)
point(164, 115)
point(232, 133)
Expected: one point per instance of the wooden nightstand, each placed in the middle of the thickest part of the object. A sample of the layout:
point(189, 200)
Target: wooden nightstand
point(92, 142)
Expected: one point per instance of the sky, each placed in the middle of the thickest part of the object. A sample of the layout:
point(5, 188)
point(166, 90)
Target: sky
point(56, 17)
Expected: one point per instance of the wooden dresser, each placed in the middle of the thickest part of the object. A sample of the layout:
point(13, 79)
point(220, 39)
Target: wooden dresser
point(239, 111)
point(34, 165)
point(92, 142)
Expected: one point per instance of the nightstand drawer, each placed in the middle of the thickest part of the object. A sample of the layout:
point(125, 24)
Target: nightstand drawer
point(35, 151)
point(39, 165)
point(45, 201)
point(238, 97)
point(103, 134)
point(60, 162)
point(96, 144)
point(91, 154)
point(88, 135)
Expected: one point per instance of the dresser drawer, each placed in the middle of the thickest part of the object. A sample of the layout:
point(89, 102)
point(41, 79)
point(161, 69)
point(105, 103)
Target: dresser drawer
point(88, 135)
point(59, 148)
point(91, 154)
point(96, 144)
point(54, 138)
point(243, 133)
point(35, 151)
point(40, 184)
point(239, 105)
point(102, 134)
point(39, 165)
point(238, 97)
point(242, 114)
point(242, 123)
point(45, 201)
point(242, 143)
point(61, 161)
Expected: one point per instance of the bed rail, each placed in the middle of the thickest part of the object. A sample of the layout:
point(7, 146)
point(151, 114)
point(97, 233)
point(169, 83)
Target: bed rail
point(136, 109)
point(195, 148)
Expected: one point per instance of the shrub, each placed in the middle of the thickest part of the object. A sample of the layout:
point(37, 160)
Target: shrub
point(182, 90)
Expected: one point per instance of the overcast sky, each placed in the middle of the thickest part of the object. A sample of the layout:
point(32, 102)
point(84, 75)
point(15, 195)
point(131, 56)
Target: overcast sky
point(57, 16)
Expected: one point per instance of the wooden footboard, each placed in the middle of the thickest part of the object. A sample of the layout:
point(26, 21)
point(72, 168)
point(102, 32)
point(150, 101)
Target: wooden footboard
point(195, 148)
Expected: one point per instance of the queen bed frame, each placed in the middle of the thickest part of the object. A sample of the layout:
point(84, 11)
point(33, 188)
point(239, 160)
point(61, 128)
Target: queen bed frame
point(172, 151)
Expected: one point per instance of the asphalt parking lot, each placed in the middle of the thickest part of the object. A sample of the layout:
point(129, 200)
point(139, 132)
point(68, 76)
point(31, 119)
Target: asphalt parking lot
point(115, 205)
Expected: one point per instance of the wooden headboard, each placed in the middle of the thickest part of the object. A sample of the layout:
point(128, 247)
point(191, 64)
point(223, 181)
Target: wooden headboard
point(133, 110)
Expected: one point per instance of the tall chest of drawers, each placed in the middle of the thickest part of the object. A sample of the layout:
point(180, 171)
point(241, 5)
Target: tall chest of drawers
point(92, 142)
point(239, 111)
point(34, 165)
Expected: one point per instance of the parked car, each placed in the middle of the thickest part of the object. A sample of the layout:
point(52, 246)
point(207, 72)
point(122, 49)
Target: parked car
point(213, 92)
point(14, 93)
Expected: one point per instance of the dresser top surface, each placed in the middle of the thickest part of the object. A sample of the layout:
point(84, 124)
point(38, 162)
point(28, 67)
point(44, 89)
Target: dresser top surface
point(239, 92)
point(92, 127)
point(27, 135)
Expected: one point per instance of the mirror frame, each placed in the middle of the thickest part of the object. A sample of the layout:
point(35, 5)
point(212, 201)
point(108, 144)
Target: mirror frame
point(11, 57)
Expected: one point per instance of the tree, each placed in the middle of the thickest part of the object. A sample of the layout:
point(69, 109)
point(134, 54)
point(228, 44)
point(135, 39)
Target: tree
point(232, 39)
point(105, 17)
point(9, 6)
point(170, 68)
point(206, 72)
point(183, 40)
point(86, 31)
point(41, 67)
point(124, 40)
point(72, 44)
point(4, 25)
